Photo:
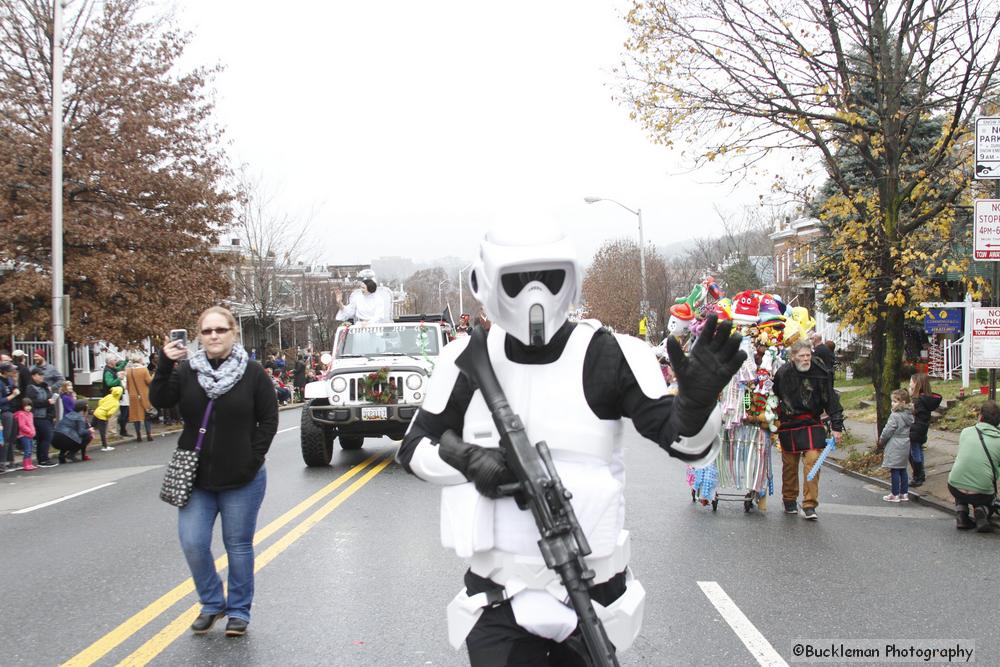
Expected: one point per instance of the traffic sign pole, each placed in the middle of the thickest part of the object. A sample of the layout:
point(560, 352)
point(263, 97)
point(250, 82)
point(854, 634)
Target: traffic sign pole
point(986, 166)
point(995, 300)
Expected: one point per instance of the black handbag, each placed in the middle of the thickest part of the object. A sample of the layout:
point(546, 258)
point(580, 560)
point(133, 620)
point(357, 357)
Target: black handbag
point(178, 482)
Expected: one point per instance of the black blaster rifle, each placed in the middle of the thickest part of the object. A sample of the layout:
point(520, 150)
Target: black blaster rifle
point(539, 489)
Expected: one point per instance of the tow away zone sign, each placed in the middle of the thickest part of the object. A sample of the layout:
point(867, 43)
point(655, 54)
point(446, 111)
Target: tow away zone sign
point(986, 337)
point(986, 230)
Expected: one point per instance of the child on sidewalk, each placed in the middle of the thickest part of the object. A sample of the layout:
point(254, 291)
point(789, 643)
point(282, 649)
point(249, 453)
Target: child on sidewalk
point(26, 432)
point(68, 397)
point(924, 403)
point(895, 442)
point(107, 408)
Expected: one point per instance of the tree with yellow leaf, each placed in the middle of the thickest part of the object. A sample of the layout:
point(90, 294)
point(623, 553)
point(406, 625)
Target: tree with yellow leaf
point(823, 80)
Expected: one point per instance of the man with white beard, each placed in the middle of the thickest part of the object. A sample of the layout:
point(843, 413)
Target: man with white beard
point(805, 392)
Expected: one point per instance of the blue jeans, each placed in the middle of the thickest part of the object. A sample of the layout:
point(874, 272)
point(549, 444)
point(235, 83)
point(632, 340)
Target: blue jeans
point(916, 452)
point(196, 520)
point(900, 481)
point(26, 443)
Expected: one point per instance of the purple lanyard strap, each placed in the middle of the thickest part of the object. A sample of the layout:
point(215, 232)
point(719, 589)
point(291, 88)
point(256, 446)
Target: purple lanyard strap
point(204, 426)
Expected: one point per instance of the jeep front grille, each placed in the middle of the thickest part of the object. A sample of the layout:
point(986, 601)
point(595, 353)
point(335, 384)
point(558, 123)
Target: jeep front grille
point(395, 383)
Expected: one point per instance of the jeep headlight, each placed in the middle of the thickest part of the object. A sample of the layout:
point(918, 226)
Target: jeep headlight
point(414, 381)
point(339, 384)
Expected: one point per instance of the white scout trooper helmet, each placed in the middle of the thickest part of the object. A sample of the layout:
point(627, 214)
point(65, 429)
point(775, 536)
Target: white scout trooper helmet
point(527, 278)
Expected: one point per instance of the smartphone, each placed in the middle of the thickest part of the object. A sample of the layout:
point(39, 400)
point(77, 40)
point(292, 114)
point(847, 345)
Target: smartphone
point(179, 334)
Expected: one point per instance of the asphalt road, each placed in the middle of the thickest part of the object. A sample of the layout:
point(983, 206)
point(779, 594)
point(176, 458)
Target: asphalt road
point(351, 572)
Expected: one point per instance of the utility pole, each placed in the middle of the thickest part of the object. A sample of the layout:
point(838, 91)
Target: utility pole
point(58, 322)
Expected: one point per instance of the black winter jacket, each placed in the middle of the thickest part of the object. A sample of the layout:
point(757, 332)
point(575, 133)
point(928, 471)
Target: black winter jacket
point(802, 400)
point(923, 406)
point(40, 406)
point(240, 429)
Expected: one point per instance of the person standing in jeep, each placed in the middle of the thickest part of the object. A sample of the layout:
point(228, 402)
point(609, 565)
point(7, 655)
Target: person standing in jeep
point(805, 391)
point(370, 303)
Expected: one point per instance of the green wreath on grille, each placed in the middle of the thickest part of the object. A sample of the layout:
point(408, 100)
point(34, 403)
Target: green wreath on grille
point(375, 387)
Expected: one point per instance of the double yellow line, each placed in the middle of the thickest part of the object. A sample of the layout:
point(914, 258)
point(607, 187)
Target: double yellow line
point(175, 628)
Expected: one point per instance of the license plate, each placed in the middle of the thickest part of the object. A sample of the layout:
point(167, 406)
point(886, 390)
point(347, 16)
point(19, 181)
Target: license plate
point(374, 414)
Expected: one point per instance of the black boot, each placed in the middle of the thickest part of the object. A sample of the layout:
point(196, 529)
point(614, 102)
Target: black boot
point(983, 520)
point(962, 519)
point(918, 474)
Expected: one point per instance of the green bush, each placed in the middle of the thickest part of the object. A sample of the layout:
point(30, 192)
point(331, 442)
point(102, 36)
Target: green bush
point(983, 376)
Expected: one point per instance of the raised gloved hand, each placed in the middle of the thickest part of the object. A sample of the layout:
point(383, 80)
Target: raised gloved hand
point(485, 467)
point(714, 360)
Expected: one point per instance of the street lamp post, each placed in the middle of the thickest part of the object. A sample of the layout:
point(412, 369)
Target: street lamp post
point(440, 301)
point(58, 313)
point(644, 303)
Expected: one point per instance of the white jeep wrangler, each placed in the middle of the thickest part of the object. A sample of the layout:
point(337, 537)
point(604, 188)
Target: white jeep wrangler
point(375, 383)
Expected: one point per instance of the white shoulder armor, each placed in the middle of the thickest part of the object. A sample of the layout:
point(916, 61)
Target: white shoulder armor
point(444, 377)
point(642, 361)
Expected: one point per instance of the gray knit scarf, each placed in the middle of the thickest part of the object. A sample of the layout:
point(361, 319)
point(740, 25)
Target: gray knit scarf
point(217, 381)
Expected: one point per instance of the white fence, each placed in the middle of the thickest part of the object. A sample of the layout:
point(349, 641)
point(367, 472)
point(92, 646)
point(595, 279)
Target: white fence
point(87, 361)
point(952, 353)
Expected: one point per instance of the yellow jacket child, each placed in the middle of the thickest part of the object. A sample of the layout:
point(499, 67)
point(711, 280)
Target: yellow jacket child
point(109, 405)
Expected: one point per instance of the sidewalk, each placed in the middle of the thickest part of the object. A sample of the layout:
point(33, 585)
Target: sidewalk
point(115, 439)
point(158, 430)
point(939, 456)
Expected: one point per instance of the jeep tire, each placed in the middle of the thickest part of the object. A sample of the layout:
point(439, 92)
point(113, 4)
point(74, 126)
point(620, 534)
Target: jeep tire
point(317, 442)
point(351, 442)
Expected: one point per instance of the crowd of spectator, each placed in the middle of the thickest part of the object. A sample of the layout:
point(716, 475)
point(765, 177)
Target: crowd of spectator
point(40, 409)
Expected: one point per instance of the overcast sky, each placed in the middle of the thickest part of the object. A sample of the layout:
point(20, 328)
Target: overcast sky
point(407, 126)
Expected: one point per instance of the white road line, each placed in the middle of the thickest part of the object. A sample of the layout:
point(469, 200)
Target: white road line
point(759, 647)
point(59, 500)
point(290, 428)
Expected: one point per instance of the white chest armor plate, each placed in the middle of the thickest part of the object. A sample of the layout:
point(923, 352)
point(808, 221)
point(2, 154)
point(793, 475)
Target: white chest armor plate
point(587, 452)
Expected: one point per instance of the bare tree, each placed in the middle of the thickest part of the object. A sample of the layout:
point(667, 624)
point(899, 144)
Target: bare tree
point(321, 305)
point(429, 291)
point(271, 241)
point(612, 286)
point(823, 80)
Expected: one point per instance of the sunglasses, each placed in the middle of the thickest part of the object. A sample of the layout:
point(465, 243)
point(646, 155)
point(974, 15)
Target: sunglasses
point(216, 330)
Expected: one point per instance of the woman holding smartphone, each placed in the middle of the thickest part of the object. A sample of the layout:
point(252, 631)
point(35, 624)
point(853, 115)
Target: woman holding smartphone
point(242, 417)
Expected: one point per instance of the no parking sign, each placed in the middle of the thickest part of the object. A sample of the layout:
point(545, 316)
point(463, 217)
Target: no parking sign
point(986, 337)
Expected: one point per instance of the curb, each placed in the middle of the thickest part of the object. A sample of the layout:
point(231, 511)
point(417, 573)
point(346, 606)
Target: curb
point(922, 498)
point(177, 429)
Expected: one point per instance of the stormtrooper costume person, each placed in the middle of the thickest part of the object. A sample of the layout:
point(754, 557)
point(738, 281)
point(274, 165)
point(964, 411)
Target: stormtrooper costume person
point(371, 304)
point(571, 383)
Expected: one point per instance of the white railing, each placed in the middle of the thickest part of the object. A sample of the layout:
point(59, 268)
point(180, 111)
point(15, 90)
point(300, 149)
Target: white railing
point(79, 355)
point(952, 351)
point(86, 360)
point(841, 338)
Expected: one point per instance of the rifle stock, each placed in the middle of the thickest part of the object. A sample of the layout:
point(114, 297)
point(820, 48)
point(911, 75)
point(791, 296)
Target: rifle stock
point(563, 543)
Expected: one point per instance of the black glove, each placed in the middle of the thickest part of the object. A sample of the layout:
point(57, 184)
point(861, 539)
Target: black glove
point(714, 360)
point(485, 467)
